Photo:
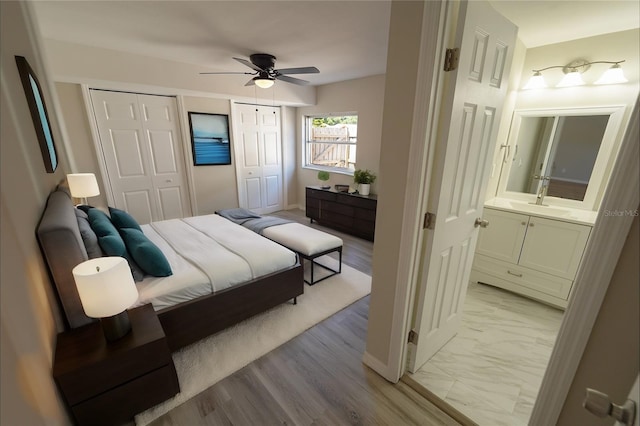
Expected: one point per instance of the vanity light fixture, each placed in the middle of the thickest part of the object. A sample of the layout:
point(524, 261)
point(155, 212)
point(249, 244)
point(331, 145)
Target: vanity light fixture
point(573, 74)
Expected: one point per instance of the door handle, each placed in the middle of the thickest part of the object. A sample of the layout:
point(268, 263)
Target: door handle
point(481, 223)
point(599, 404)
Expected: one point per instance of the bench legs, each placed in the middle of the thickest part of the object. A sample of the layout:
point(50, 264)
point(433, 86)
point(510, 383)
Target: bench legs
point(314, 263)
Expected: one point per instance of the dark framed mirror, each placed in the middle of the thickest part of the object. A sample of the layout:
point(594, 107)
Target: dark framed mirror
point(39, 115)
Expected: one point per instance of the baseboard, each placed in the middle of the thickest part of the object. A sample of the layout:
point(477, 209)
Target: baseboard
point(379, 367)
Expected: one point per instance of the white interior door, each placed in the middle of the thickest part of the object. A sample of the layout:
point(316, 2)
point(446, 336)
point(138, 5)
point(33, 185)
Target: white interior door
point(470, 123)
point(142, 149)
point(258, 149)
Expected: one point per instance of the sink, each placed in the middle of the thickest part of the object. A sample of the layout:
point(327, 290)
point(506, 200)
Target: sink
point(540, 209)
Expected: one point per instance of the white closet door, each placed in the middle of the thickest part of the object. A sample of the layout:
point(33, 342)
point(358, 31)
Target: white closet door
point(258, 149)
point(140, 141)
point(166, 167)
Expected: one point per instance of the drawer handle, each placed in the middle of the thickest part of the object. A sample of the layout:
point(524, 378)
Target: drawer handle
point(514, 274)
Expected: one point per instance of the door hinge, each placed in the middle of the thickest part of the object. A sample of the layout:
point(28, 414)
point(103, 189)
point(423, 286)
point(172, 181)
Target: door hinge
point(429, 221)
point(451, 58)
point(413, 337)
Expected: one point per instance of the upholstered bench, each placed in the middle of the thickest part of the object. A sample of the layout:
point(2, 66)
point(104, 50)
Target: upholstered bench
point(309, 243)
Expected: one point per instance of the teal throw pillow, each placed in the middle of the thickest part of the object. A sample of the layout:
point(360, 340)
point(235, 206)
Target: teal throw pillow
point(108, 236)
point(110, 240)
point(146, 254)
point(122, 219)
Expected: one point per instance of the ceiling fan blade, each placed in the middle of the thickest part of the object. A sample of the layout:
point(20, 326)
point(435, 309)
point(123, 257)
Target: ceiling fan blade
point(293, 80)
point(222, 72)
point(250, 83)
point(249, 64)
point(301, 70)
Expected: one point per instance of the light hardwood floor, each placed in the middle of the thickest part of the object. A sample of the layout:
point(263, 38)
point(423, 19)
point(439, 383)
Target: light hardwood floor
point(317, 378)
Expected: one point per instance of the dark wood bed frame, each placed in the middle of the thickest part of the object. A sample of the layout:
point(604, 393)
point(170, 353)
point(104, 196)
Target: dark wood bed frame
point(184, 323)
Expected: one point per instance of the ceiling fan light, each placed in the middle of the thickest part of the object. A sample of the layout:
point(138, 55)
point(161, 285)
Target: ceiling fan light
point(263, 83)
point(573, 78)
point(613, 75)
point(535, 82)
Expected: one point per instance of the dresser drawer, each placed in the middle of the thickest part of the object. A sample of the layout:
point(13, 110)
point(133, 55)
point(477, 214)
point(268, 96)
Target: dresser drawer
point(321, 195)
point(358, 201)
point(523, 278)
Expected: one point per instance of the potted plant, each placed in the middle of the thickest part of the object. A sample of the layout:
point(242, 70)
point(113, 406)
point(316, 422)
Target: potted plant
point(323, 177)
point(364, 178)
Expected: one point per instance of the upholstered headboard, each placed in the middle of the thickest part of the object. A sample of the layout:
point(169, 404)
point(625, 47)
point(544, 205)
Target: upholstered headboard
point(63, 249)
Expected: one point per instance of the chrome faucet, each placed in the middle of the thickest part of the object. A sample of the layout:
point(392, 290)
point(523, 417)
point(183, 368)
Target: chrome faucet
point(542, 192)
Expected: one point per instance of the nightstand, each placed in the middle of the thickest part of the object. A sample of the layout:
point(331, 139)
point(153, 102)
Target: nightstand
point(108, 383)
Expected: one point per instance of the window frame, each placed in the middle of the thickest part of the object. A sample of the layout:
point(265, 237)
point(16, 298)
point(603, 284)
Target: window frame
point(306, 140)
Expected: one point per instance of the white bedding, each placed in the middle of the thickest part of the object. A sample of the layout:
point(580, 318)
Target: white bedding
point(207, 254)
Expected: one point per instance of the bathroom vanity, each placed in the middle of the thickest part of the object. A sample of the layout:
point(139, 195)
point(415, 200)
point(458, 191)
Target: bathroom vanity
point(554, 170)
point(532, 250)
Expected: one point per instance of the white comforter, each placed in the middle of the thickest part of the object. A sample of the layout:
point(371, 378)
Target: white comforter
point(207, 254)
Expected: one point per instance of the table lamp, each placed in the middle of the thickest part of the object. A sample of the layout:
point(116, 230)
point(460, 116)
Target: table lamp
point(83, 185)
point(106, 290)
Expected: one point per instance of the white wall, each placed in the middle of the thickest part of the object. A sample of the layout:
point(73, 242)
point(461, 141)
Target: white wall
point(214, 186)
point(29, 319)
point(608, 47)
point(364, 96)
point(400, 88)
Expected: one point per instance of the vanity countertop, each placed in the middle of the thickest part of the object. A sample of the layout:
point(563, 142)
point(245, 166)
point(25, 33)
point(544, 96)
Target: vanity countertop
point(566, 214)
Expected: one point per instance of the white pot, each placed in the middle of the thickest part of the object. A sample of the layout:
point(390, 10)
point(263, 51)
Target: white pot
point(364, 188)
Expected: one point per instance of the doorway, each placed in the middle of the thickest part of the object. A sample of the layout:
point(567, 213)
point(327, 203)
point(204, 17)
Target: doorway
point(561, 377)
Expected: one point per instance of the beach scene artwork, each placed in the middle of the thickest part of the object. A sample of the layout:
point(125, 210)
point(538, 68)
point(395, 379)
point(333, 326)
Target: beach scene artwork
point(210, 139)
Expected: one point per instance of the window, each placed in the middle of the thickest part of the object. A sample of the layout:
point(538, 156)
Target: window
point(331, 142)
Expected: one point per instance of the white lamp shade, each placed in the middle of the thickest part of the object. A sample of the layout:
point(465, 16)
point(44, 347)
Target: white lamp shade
point(613, 75)
point(535, 82)
point(105, 286)
point(571, 79)
point(83, 185)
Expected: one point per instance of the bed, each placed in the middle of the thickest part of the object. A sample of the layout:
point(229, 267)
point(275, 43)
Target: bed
point(208, 292)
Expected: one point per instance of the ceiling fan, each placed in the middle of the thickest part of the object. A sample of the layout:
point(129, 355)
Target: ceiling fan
point(265, 73)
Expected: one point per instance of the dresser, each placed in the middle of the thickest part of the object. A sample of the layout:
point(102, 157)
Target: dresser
point(349, 213)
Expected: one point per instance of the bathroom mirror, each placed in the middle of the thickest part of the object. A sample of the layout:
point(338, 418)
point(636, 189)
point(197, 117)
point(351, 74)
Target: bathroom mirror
point(566, 150)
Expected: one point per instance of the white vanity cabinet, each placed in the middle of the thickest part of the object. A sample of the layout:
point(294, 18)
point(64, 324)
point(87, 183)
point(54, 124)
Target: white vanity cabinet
point(530, 255)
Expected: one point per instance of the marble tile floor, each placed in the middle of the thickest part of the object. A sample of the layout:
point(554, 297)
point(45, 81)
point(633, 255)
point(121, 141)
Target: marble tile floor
point(492, 369)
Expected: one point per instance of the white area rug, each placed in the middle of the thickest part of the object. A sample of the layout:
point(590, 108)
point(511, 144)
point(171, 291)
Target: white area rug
point(210, 360)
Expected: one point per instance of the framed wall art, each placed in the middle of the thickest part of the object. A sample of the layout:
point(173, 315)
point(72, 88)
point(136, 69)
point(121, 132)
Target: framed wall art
point(210, 139)
point(39, 114)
